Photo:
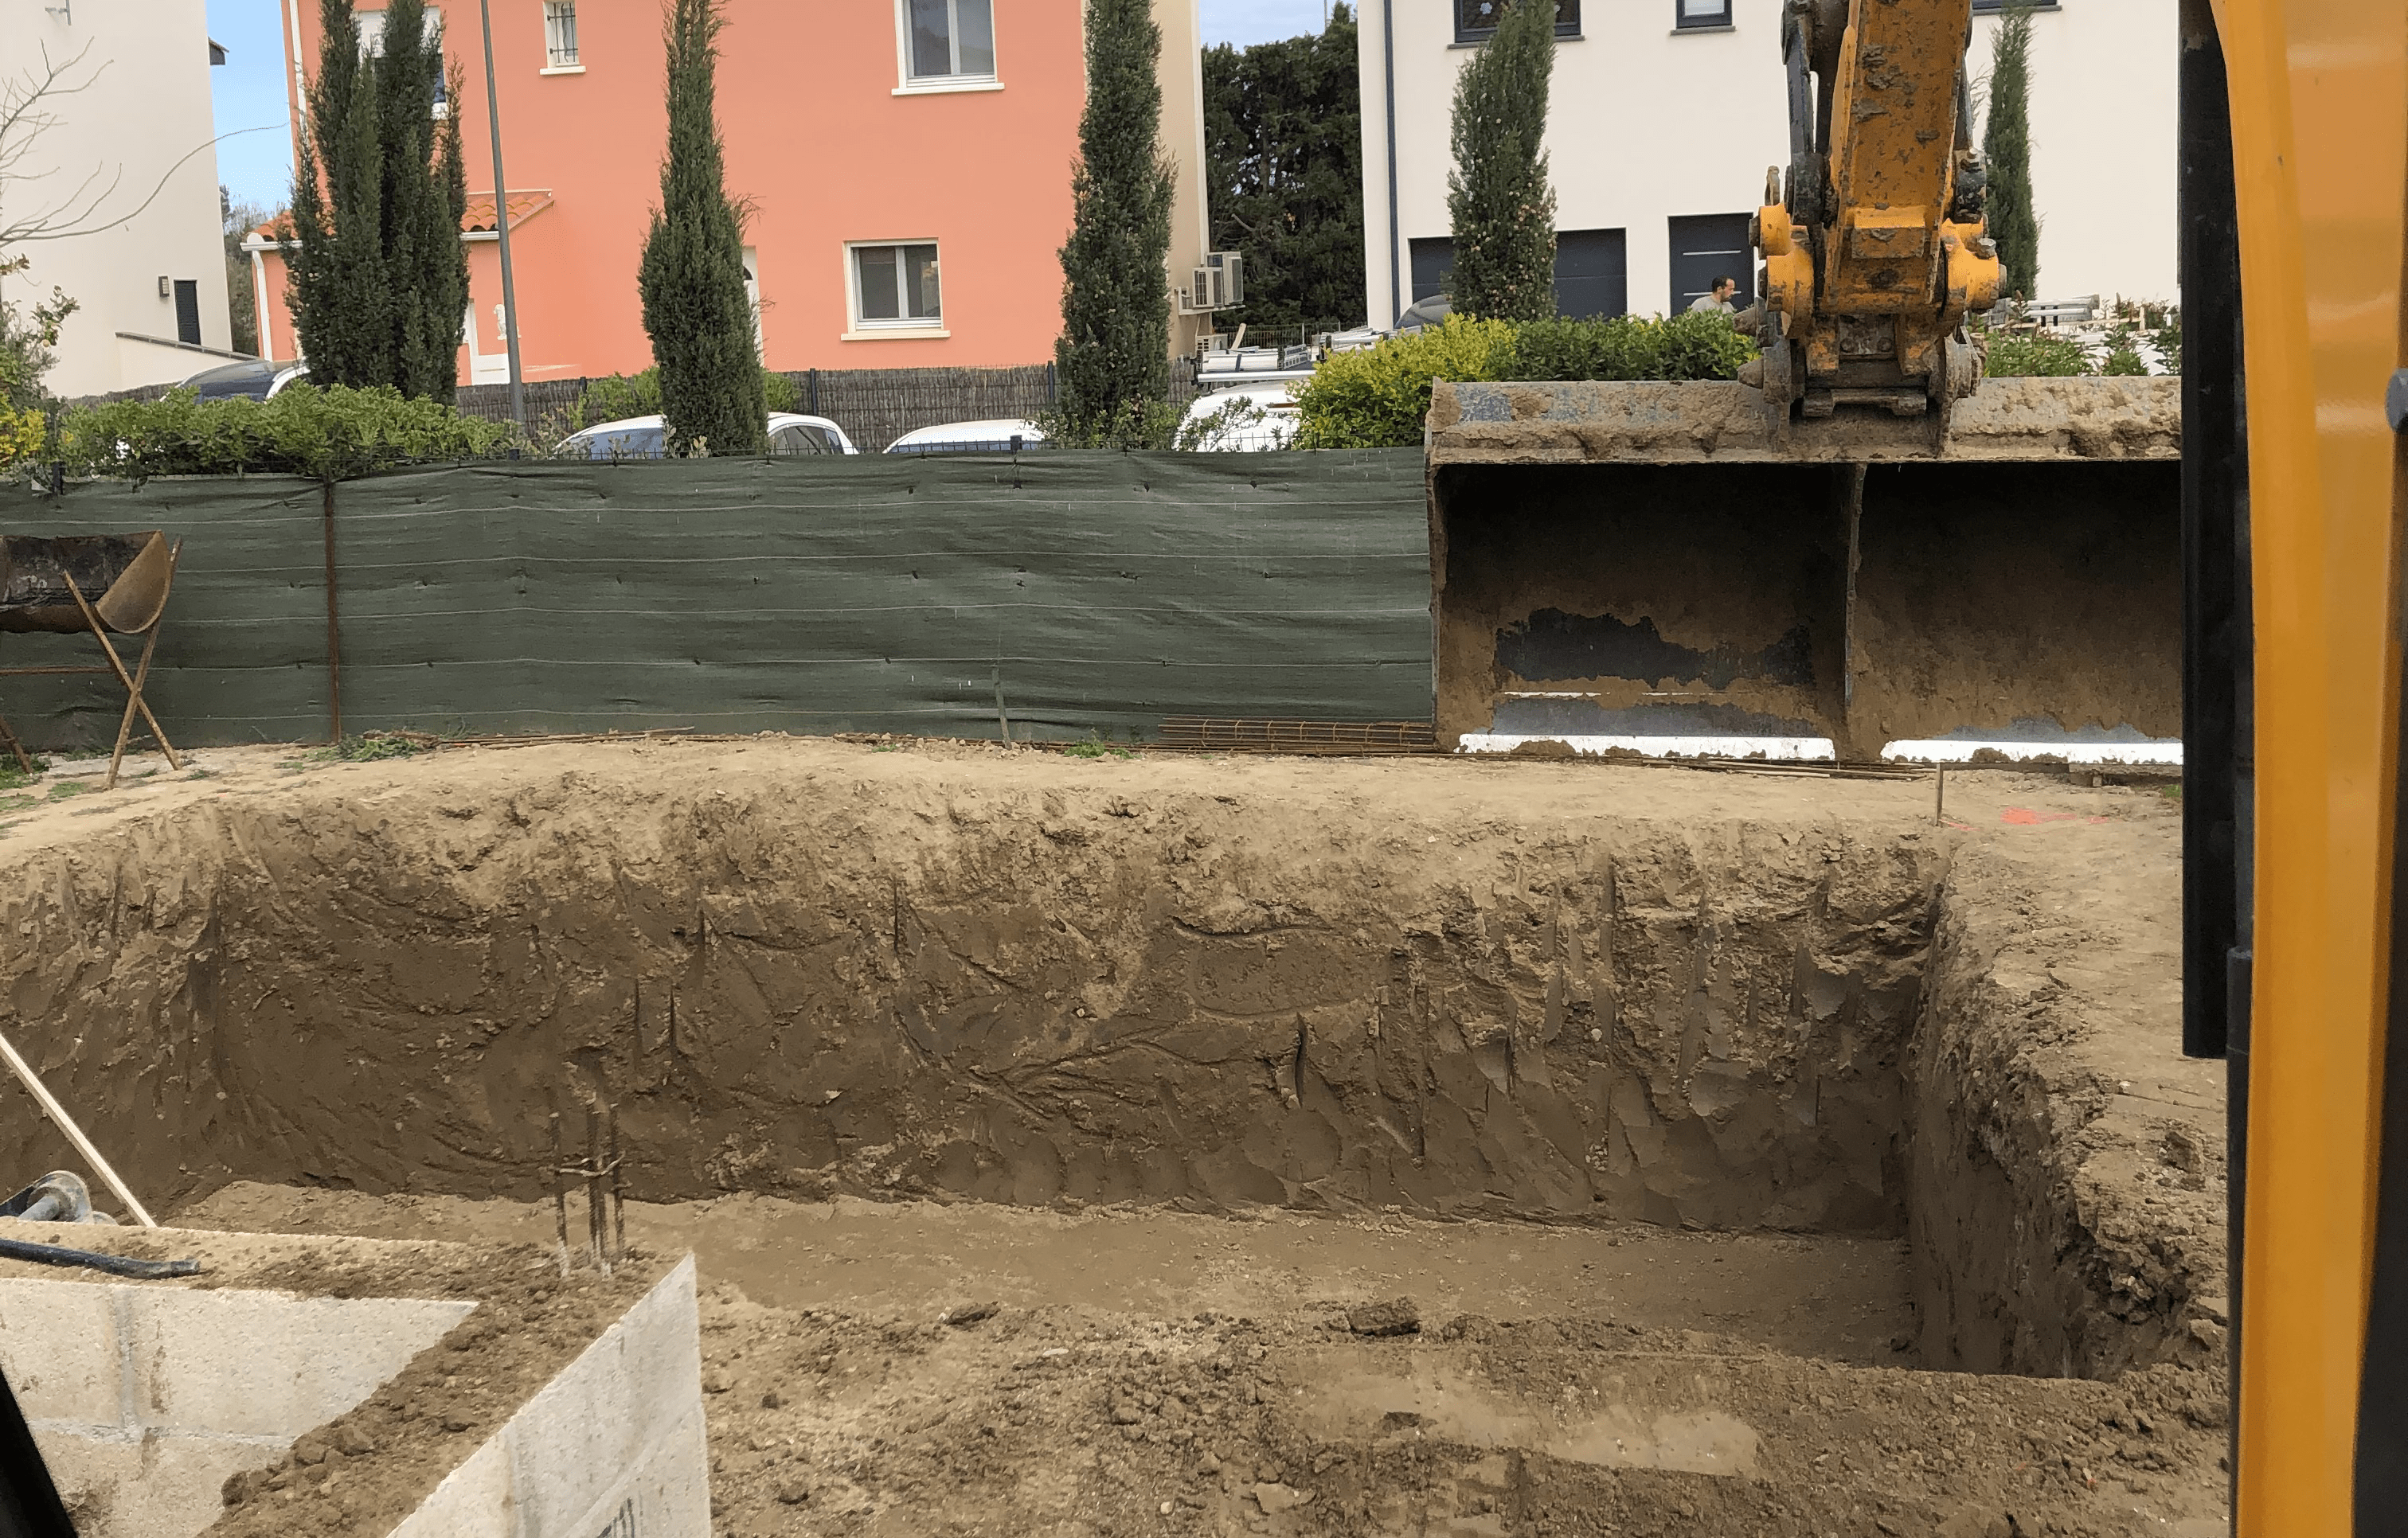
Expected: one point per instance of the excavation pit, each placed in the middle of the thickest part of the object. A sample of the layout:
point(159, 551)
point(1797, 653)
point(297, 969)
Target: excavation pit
point(1716, 1128)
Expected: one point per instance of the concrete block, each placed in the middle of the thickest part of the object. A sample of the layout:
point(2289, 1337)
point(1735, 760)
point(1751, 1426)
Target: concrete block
point(269, 1364)
point(59, 1345)
point(472, 1502)
point(667, 1492)
point(576, 1440)
point(615, 1438)
point(153, 1486)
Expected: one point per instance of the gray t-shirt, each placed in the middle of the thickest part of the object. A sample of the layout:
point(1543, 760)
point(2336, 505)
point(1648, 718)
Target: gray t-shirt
point(1706, 302)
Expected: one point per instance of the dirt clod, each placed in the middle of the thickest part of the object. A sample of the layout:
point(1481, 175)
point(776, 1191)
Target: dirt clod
point(1396, 1316)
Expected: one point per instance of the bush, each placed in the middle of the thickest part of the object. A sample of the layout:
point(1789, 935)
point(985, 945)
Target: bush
point(2015, 354)
point(1686, 346)
point(21, 435)
point(334, 434)
point(617, 397)
point(1378, 399)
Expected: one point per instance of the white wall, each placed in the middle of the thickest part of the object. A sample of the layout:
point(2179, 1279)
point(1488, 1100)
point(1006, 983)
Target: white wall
point(146, 110)
point(1181, 71)
point(143, 1398)
point(614, 1445)
point(2103, 120)
point(1647, 123)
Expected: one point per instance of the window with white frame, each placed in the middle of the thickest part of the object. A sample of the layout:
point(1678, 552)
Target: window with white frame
point(560, 33)
point(371, 27)
point(371, 30)
point(895, 285)
point(948, 39)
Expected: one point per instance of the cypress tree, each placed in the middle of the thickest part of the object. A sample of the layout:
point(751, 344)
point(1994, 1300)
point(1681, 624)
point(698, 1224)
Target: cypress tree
point(2006, 150)
point(1496, 196)
point(692, 275)
point(1112, 360)
point(379, 284)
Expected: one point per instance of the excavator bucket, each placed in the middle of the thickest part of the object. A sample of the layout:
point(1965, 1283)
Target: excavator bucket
point(1669, 569)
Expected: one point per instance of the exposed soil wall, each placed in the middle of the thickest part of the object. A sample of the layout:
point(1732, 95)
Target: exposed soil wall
point(1450, 988)
point(2067, 1185)
point(1002, 988)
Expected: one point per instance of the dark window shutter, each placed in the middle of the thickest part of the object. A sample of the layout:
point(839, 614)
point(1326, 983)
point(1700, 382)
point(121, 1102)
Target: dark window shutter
point(1433, 261)
point(188, 311)
point(1592, 274)
point(1706, 246)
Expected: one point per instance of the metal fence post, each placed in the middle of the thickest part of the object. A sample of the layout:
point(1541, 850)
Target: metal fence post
point(334, 631)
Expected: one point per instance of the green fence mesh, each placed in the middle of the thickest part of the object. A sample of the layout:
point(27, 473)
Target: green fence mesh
point(1100, 592)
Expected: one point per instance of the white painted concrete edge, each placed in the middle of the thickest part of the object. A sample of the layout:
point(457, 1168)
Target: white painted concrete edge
point(1793, 750)
point(614, 1443)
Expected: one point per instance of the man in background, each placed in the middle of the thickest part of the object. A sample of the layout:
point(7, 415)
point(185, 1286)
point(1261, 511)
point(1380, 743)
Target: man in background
point(1720, 299)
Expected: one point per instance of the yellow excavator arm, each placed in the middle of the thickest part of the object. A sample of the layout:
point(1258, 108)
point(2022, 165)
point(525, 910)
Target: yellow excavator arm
point(1874, 251)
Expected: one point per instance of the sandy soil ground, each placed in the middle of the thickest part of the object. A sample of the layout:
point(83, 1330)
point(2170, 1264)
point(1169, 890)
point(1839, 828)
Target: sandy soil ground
point(910, 1368)
point(1148, 1370)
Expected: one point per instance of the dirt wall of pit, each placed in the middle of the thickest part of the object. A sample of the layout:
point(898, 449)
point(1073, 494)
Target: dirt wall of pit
point(1456, 990)
point(889, 984)
point(2067, 1174)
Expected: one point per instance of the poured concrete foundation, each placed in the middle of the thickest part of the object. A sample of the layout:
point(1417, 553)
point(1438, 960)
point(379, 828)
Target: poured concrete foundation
point(303, 1384)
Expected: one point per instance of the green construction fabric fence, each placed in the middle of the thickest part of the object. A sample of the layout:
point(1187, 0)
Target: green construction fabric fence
point(1100, 592)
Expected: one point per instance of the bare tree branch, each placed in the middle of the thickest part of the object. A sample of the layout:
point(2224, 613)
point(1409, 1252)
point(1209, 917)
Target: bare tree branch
point(26, 114)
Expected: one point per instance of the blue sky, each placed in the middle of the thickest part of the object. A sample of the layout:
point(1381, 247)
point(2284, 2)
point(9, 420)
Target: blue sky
point(1243, 21)
point(248, 90)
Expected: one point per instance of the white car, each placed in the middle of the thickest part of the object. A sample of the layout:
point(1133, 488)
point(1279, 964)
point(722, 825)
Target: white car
point(1251, 417)
point(646, 438)
point(997, 436)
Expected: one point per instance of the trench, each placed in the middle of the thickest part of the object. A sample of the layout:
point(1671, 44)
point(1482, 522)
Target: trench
point(1025, 995)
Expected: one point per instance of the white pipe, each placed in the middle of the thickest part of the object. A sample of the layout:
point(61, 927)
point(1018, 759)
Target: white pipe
point(300, 91)
point(57, 1113)
point(259, 304)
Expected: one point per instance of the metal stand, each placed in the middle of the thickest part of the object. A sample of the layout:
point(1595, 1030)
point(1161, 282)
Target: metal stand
point(606, 1211)
point(132, 683)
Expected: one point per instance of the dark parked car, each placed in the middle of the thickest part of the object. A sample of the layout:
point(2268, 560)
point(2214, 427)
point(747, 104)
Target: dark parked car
point(252, 379)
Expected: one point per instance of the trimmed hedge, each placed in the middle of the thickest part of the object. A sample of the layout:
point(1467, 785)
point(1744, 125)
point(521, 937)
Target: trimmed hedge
point(330, 434)
point(1378, 398)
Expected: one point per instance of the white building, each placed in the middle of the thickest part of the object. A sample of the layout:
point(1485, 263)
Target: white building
point(1664, 115)
point(130, 157)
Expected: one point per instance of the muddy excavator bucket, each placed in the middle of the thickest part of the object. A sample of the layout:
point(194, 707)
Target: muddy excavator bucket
point(1658, 568)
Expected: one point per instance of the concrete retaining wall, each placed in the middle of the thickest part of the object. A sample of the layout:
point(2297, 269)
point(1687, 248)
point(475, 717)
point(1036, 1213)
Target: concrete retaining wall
point(143, 1400)
point(610, 1449)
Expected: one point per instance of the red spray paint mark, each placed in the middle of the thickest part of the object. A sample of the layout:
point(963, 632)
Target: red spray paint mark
point(2024, 817)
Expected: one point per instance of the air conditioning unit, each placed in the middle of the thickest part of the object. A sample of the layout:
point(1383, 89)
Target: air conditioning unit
point(1219, 282)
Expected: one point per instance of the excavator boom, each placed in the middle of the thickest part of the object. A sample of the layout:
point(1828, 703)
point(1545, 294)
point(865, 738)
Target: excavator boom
point(1874, 244)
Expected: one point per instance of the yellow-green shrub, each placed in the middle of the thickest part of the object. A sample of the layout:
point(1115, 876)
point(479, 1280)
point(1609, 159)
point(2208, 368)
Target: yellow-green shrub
point(1378, 399)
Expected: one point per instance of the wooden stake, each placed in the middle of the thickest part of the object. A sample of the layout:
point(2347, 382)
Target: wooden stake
point(618, 1186)
point(560, 1188)
point(595, 1230)
point(1940, 798)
